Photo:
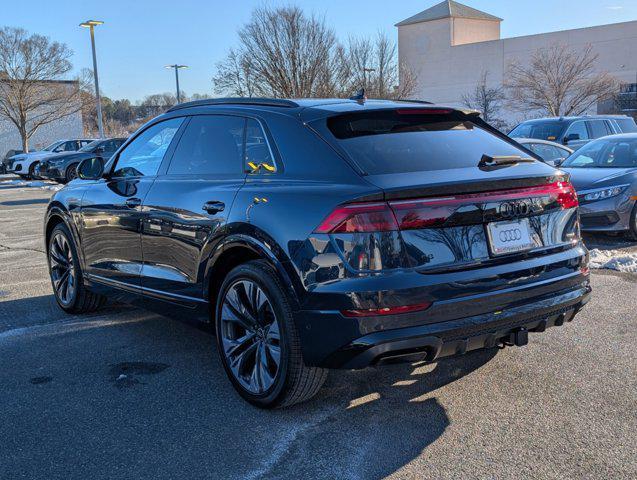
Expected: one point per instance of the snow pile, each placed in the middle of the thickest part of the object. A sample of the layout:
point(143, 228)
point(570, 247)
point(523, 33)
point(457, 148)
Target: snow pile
point(619, 260)
point(33, 184)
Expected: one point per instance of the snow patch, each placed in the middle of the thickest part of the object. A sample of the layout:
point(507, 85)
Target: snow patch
point(619, 260)
point(34, 184)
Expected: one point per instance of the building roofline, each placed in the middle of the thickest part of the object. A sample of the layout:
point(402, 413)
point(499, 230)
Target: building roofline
point(448, 9)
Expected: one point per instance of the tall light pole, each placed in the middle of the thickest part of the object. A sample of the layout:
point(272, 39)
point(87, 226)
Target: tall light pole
point(177, 67)
point(91, 24)
point(367, 70)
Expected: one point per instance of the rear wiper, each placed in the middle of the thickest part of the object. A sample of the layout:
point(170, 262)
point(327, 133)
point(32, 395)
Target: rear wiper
point(501, 160)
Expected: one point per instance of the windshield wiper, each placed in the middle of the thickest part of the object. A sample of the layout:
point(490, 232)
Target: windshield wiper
point(488, 161)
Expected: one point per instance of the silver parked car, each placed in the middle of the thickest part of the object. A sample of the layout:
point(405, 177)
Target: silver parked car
point(604, 174)
point(551, 152)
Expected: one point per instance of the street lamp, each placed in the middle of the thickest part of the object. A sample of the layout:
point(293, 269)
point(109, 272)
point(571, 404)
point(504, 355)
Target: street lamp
point(367, 70)
point(177, 67)
point(91, 24)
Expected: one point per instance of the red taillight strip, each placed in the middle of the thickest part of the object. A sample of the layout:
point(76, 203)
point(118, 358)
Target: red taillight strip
point(359, 217)
point(427, 212)
point(386, 310)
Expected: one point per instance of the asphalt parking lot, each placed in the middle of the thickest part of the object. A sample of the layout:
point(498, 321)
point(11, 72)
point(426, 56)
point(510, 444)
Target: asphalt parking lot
point(124, 393)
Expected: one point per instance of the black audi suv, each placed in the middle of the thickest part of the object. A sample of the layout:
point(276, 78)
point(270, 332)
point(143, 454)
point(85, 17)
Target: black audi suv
point(319, 234)
point(62, 167)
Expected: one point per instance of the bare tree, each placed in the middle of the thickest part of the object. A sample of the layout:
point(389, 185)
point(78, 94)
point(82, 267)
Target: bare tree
point(487, 100)
point(284, 53)
point(558, 80)
point(32, 90)
point(373, 65)
point(281, 53)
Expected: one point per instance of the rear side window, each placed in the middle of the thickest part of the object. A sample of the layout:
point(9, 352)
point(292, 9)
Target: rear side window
point(258, 152)
point(211, 144)
point(383, 142)
point(627, 125)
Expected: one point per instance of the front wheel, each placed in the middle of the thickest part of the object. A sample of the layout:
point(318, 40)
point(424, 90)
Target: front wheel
point(66, 274)
point(633, 223)
point(71, 173)
point(258, 342)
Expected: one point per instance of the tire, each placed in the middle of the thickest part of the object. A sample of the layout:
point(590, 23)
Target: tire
point(71, 173)
point(62, 257)
point(32, 170)
point(632, 233)
point(291, 381)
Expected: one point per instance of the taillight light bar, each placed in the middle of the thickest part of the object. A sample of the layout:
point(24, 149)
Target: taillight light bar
point(430, 212)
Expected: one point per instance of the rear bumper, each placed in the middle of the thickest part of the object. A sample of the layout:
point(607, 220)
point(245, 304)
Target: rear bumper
point(434, 341)
point(470, 310)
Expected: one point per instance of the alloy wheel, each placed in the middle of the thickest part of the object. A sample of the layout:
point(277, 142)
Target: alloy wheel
point(250, 336)
point(62, 269)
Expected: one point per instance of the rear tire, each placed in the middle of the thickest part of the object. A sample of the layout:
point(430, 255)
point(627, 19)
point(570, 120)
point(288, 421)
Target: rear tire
point(66, 274)
point(244, 326)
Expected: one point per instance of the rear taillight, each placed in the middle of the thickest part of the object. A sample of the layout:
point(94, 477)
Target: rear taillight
point(359, 217)
point(432, 212)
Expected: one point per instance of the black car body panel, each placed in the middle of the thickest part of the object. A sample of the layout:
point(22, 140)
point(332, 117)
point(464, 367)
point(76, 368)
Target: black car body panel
point(164, 239)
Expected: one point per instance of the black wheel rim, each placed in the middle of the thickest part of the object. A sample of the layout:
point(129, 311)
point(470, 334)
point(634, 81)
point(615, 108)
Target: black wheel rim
point(250, 336)
point(72, 173)
point(62, 269)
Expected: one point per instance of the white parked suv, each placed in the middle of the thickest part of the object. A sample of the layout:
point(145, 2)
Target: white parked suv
point(24, 164)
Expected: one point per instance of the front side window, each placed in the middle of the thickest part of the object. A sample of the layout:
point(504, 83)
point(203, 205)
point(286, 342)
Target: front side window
point(396, 141)
point(598, 128)
point(210, 145)
point(578, 128)
point(143, 156)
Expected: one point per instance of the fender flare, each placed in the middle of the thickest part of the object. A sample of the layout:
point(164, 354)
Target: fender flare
point(263, 249)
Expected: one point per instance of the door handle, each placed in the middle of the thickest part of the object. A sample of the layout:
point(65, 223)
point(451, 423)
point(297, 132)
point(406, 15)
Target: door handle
point(133, 202)
point(214, 207)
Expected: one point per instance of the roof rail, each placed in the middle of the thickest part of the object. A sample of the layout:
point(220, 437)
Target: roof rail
point(268, 102)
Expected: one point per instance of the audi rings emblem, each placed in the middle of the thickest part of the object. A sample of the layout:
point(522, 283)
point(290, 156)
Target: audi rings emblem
point(514, 209)
point(510, 235)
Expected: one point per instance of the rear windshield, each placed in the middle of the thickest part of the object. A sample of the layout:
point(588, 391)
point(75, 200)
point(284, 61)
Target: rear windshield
point(548, 130)
point(383, 142)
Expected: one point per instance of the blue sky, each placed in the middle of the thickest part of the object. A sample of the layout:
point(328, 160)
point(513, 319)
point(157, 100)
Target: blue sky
point(139, 37)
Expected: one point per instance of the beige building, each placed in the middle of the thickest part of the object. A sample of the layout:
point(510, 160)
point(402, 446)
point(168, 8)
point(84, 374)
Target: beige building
point(449, 46)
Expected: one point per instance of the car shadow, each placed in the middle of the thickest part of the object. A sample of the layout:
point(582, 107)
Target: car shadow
point(128, 382)
point(383, 419)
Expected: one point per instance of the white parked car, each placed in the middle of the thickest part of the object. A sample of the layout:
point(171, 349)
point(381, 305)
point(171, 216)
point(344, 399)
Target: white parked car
point(551, 152)
point(24, 164)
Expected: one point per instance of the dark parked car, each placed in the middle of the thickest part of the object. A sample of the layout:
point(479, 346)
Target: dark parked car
point(574, 131)
point(551, 152)
point(24, 164)
point(318, 234)
point(62, 167)
point(604, 173)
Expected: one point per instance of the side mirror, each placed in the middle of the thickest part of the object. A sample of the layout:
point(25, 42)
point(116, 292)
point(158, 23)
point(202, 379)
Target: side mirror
point(571, 137)
point(558, 161)
point(91, 169)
